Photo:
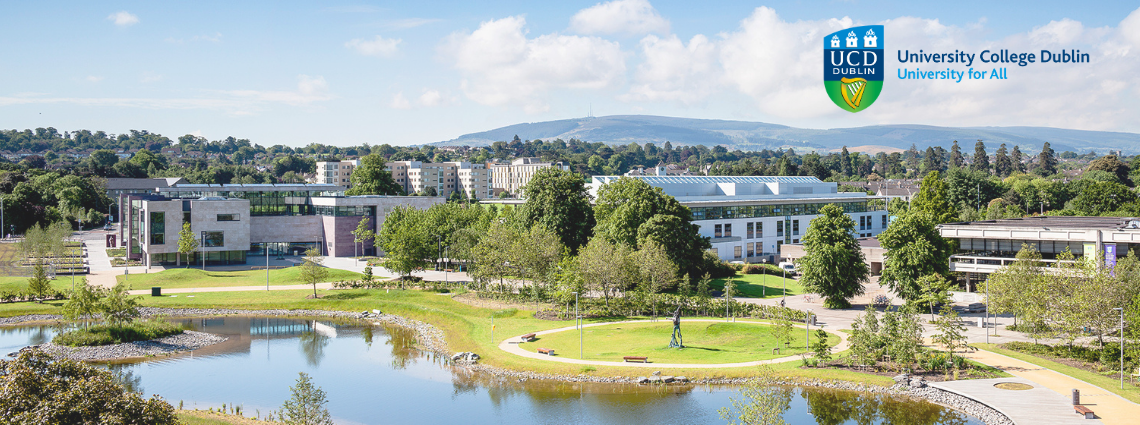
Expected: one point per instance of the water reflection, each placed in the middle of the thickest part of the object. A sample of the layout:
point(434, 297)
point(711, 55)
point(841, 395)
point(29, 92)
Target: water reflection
point(123, 374)
point(256, 366)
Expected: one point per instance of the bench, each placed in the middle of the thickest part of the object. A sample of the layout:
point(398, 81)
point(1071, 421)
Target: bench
point(1084, 411)
point(546, 351)
point(636, 359)
point(527, 337)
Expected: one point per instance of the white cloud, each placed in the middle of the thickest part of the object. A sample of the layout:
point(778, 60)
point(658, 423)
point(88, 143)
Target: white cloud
point(1057, 33)
point(400, 102)
point(501, 66)
point(94, 78)
point(1130, 28)
point(431, 98)
point(619, 17)
point(672, 71)
point(123, 18)
point(379, 46)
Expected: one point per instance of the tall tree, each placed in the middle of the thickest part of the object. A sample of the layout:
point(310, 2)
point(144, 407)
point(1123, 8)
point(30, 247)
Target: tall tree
point(932, 199)
point(956, 156)
point(370, 178)
point(1015, 159)
point(931, 160)
point(606, 267)
point(833, 265)
point(1002, 165)
point(981, 160)
point(1099, 198)
point(559, 200)
point(187, 243)
point(1046, 161)
point(630, 211)
point(405, 241)
point(914, 249)
point(845, 162)
point(1113, 165)
point(312, 270)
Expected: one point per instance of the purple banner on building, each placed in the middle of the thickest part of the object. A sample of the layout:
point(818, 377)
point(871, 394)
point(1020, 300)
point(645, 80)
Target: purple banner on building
point(1110, 255)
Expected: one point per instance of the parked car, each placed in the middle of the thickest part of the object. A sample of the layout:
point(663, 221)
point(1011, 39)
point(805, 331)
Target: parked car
point(108, 226)
point(790, 268)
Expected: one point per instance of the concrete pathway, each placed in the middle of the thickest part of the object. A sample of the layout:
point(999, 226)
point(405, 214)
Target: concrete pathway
point(1036, 406)
point(514, 345)
point(165, 291)
point(1110, 408)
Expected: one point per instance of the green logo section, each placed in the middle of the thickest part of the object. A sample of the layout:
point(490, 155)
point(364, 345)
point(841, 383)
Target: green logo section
point(853, 95)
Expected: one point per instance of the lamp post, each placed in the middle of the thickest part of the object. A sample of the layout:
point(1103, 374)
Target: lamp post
point(807, 327)
point(1121, 310)
point(578, 324)
point(267, 266)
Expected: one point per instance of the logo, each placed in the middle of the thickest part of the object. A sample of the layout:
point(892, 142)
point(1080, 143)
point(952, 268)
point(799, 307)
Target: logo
point(853, 66)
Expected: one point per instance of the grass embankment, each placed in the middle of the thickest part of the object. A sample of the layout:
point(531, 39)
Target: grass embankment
point(18, 284)
point(1130, 392)
point(204, 417)
point(196, 278)
point(141, 330)
point(759, 285)
point(705, 342)
point(466, 328)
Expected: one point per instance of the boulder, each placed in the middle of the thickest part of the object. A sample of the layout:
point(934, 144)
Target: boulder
point(642, 380)
point(902, 378)
point(667, 379)
point(681, 379)
point(918, 382)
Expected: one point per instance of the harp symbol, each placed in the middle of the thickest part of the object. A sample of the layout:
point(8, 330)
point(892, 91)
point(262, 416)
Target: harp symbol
point(852, 90)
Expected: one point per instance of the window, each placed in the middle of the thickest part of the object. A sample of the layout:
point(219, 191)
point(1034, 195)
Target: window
point(736, 251)
point(750, 232)
point(716, 232)
point(213, 239)
point(228, 217)
point(728, 232)
point(780, 229)
point(884, 221)
point(751, 249)
point(862, 224)
point(795, 227)
point(157, 228)
point(759, 229)
point(186, 216)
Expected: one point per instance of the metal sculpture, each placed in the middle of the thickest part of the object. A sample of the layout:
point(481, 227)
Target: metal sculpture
point(677, 341)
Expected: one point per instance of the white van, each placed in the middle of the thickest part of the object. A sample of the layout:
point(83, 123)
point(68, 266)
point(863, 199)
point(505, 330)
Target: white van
point(788, 267)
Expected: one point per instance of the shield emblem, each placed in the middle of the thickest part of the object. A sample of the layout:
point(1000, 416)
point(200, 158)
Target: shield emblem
point(853, 66)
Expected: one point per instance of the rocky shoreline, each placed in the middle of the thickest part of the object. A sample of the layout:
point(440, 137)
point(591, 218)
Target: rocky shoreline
point(431, 339)
point(173, 344)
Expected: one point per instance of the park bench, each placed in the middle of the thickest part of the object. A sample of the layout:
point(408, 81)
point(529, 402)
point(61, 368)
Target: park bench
point(527, 337)
point(636, 359)
point(1084, 411)
point(546, 351)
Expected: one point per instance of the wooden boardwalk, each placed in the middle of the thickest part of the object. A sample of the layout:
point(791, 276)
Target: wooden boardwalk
point(1037, 406)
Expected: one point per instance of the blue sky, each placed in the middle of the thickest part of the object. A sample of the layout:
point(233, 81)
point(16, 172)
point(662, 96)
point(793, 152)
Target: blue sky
point(418, 72)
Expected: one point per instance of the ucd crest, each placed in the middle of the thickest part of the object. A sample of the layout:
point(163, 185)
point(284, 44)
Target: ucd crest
point(853, 66)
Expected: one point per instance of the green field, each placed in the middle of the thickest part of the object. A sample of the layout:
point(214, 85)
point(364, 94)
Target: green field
point(61, 283)
point(759, 285)
point(196, 278)
point(705, 342)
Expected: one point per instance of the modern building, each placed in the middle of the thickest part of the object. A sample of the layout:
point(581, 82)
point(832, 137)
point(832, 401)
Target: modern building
point(984, 247)
point(511, 178)
point(445, 177)
point(749, 218)
point(661, 170)
point(234, 221)
point(335, 172)
point(873, 253)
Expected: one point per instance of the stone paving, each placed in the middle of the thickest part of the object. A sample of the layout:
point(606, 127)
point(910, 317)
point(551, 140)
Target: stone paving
point(1036, 406)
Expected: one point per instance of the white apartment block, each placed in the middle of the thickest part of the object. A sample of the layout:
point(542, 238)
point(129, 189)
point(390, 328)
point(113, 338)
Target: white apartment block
point(445, 177)
point(335, 172)
point(511, 178)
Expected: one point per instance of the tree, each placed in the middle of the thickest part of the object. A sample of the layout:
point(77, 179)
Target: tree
point(118, 307)
point(312, 270)
point(1046, 161)
point(761, 403)
point(934, 291)
point(1113, 165)
point(782, 330)
point(370, 178)
point(981, 161)
point(949, 331)
point(38, 284)
point(307, 404)
point(658, 273)
point(40, 389)
point(101, 162)
point(363, 233)
point(1100, 198)
point(956, 156)
point(1015, 159)
point(820, 346)
point(932, 200)
point(1002, 164)
point(606, 267)
point(83, 302)
point(188, 244)
point(914, 249)
point(833, 264)
point(626, 205)
point(559, 200)
point(406, 243)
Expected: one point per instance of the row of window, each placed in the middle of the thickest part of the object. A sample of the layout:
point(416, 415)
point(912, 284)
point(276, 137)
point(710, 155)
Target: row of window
point(751, 211)
point(755, 230)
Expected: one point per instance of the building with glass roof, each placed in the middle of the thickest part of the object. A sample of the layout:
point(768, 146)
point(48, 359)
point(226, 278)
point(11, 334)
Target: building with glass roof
point(748, 218)
point(234, 221)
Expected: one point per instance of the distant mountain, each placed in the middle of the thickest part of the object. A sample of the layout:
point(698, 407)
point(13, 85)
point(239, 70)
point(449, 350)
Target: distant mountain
point(745, 135)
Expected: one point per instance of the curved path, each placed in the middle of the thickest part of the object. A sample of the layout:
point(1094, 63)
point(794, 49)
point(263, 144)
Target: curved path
point(513, 345)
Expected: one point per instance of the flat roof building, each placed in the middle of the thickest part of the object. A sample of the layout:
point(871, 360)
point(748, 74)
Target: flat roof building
point(749, 218)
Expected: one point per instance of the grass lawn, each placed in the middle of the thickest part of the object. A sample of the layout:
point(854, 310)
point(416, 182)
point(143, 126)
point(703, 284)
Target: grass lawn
point(465, 327)
point(196, 278)
point(1130, 392)
point(705, 342)
point(202, 417)
point(61, 283)
point(759, 285)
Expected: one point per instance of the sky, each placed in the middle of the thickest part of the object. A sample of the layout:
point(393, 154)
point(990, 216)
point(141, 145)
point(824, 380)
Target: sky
point(346, 73)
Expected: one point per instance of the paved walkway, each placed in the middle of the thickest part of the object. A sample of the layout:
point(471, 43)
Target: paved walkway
point(1110, 408)
point(514, 345)
point(1036, 406)
point(165, 291)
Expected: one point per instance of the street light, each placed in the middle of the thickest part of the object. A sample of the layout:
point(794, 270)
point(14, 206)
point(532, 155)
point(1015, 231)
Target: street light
point(577, 323)
point(1121, 310)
